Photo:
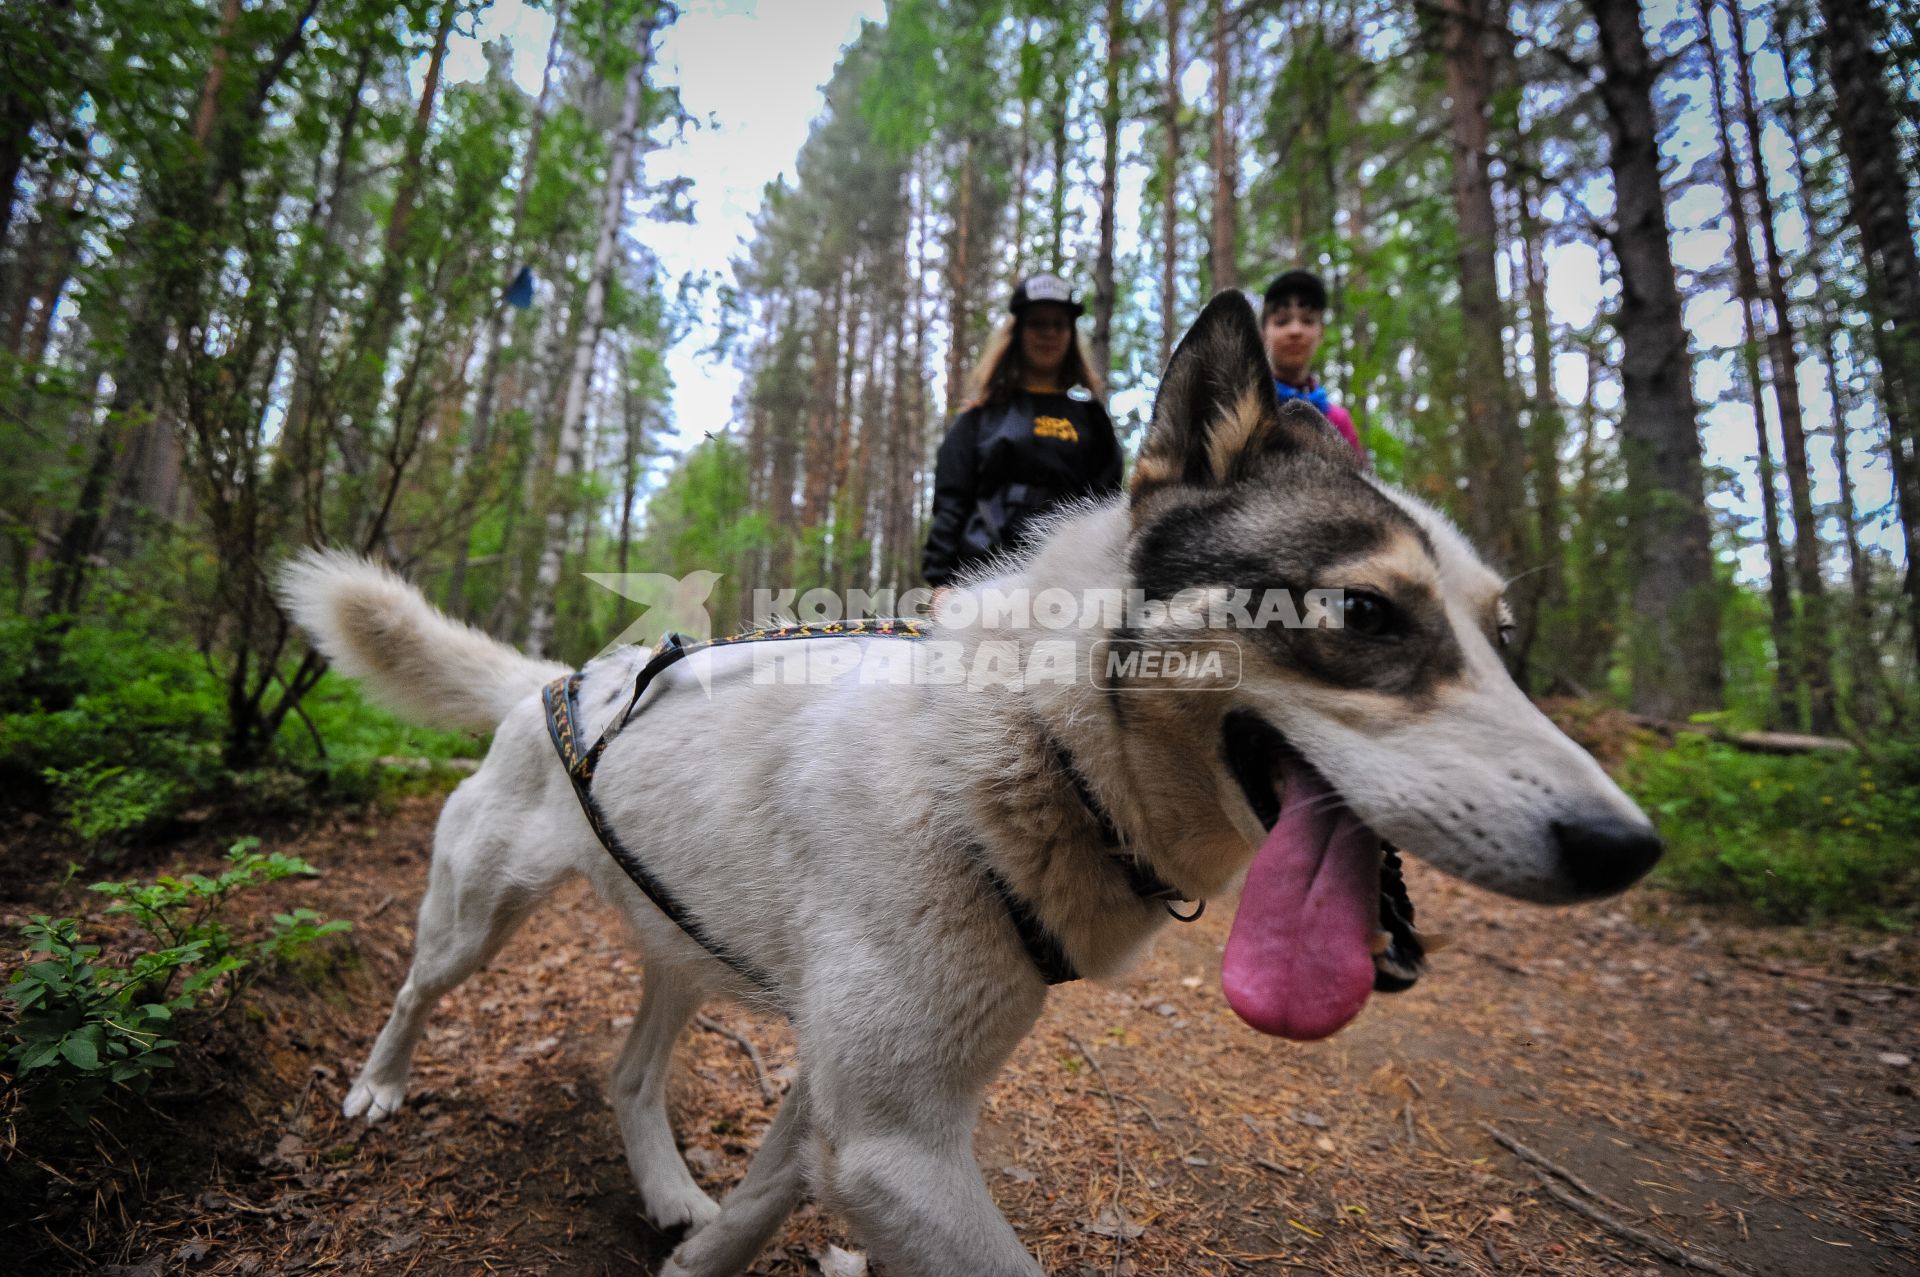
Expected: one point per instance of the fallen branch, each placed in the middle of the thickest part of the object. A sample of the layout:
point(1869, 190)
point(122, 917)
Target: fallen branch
point(1669, 1251)
point(1752, 742)
point(741, 1040)
point(1526, 1154)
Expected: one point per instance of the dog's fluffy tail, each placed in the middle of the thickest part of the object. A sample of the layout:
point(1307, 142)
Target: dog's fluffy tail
point(414, 660)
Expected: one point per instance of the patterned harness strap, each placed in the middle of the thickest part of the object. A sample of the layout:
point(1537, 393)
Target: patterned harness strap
point(562, 700)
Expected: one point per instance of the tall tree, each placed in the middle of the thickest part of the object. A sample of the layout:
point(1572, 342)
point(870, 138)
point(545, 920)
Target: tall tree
point(1224, 255)
point(569, 441)
point(1783, 345)
point(1882, 208)
point(1674, 655)
point(481, 430)
point(1170, 196)
point(1791, 666)
point(1494, 448)
point(1110, 112)
point(1865, 684)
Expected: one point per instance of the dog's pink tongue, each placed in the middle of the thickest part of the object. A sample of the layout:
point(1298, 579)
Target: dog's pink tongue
point(1298, 962)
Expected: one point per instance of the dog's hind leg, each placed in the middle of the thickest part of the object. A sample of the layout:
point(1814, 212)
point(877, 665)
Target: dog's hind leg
point(671, 1197)
point(775, 1183)
point(474, 902)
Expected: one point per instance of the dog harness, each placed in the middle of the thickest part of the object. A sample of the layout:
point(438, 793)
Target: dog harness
point(561, 699)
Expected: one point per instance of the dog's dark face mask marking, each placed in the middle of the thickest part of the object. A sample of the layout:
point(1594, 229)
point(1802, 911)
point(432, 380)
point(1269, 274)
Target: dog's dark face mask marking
point(1395, 723)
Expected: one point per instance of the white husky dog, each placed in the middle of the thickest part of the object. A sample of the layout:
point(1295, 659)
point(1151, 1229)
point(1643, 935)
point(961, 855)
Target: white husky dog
point(900, 866)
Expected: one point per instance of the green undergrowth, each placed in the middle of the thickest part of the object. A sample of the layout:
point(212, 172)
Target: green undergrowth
point(1803, 838)
point(90, 1019)
point(121, 737)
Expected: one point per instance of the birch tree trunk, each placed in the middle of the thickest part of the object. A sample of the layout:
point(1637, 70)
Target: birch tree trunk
point(1674, 656)
point(569, 440)
point(480, 433)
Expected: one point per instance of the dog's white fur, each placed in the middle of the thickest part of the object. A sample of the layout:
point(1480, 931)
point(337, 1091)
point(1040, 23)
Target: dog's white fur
point(832, 834)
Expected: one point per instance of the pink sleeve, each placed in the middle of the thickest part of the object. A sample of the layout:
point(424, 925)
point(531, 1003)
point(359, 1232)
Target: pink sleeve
point(1343, 422)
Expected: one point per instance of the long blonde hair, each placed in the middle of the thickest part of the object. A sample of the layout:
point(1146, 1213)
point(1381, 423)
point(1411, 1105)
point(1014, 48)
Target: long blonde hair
point(1002, 371)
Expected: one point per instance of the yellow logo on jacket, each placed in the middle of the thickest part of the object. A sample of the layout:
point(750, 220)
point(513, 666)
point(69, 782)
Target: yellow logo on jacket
point(1055, 428)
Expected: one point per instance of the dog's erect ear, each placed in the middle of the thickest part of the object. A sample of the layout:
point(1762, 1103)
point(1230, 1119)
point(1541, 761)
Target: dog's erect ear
point(1217, 413)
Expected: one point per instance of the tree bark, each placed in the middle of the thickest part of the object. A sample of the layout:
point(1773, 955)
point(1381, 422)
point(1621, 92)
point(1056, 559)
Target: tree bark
point(480, 434)
point(1866, 681)
point(569, 441)
point(1783, 345)
point(1103, 286)
point(823, 405)
point(1224, 254)
point(1674, 657)
point(1870, 140)
point(1170, 198)
point(1494, 448)
point(959, 285)
point(1789, 663)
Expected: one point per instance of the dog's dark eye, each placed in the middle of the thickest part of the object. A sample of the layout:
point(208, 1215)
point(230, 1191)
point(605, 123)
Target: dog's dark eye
point(1506, 632)
point(1371, 615)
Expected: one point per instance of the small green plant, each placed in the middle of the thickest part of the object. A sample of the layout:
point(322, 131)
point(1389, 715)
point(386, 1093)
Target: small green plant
point(106, 803)
point(84, 1026)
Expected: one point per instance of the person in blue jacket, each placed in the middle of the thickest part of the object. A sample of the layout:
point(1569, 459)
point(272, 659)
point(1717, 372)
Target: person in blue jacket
point(1033, 435)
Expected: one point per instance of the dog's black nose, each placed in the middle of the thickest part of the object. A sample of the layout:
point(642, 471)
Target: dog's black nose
point(1602, 854)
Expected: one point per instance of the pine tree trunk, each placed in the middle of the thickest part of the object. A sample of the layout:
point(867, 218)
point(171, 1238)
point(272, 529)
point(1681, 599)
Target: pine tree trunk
point(1866, 682)
point(1170, 199)
point(1494, 449)
point(1783, 345)
point(1057, 210)
point(959, 285)
point(823, 406)
point(1881, 201)
point(569, 441)
point(1547, 591)
point(1103, 286)
point(1789, 662)
point(1224, 254)
point(1674, 659)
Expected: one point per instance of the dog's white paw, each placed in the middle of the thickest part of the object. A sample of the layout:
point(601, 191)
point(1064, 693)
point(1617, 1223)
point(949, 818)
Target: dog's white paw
point(377, 1100)
point(681, 1205)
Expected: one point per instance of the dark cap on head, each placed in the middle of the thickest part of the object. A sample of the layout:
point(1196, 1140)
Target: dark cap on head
point(1045, 288)
point(1301, 286)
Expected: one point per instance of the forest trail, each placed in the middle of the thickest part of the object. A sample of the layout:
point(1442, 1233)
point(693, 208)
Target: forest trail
point(1762, 1122)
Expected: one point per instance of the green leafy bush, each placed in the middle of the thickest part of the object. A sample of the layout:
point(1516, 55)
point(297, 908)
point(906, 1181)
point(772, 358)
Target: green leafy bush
point(1799, 838)
point(84, 1025)
point(122, 734)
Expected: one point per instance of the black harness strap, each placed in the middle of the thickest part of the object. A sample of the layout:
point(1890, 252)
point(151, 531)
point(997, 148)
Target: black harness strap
point(1146, 884)
point(561, 698)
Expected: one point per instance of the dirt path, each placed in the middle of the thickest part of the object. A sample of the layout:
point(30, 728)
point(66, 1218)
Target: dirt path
point(1754, 1119)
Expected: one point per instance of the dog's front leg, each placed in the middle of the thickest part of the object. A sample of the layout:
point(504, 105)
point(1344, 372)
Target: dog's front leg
point(774, 1185)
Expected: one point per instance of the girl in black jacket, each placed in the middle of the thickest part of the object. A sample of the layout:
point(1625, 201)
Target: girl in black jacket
point(1025, 443)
